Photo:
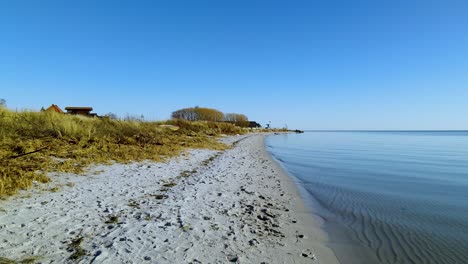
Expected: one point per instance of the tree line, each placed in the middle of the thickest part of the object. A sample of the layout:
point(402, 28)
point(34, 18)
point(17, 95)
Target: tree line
point(210, 114)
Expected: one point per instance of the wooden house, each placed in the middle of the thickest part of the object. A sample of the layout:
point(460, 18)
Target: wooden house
point(80, 110)
point(54, 108)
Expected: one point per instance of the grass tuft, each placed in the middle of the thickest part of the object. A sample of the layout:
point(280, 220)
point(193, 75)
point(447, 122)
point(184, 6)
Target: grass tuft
point(134, 204)
point(55, 189)
point(113, 219)
point(169, 184)
point(186, 174)
point(77, 251)
point(159, 196)
point(4, 260)
point(25, 260)
point(30, 260)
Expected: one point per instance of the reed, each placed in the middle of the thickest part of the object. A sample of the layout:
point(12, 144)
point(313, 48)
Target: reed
point(33, 144)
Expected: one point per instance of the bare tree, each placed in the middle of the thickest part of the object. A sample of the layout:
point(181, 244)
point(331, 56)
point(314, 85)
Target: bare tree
point(230, 117)
point(198, 114)
point(186, 114)
point(239, 119)
point(234, 117)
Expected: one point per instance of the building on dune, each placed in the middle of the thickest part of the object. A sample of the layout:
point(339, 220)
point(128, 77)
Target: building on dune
point(54, 108)
point(80, 110)
point(71, 110)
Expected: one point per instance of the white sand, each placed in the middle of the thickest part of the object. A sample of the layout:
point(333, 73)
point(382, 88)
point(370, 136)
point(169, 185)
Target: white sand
point(234, 206)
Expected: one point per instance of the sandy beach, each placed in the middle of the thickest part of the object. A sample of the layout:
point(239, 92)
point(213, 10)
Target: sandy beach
point(205, 206)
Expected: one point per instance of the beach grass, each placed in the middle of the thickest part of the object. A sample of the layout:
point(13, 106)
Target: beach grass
point(25, 260)
point(33, 144)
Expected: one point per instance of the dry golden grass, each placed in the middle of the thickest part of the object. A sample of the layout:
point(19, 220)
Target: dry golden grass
point(33, 144)
point(25, 260)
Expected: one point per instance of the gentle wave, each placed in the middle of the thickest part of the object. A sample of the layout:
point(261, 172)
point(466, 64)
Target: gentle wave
point(403, 198)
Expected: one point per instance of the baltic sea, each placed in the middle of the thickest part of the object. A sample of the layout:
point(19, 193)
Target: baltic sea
point(385, 197)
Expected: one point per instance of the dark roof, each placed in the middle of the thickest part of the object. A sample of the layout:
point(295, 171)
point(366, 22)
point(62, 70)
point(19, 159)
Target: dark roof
point(85, 108)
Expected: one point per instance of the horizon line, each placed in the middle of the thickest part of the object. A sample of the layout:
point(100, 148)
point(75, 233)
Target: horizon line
point(385, 130)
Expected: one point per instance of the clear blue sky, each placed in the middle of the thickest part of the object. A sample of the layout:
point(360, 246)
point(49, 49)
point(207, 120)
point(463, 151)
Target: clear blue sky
point(308, 64)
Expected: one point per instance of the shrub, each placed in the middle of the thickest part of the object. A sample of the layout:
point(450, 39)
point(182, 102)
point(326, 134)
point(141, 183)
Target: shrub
point(198, 114)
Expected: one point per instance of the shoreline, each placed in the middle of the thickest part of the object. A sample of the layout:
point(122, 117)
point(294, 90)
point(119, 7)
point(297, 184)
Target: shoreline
point(335, 242)
point(205, 206)
point(312, 223)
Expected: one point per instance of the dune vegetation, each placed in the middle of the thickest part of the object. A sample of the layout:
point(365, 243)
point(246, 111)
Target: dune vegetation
point(33, 144)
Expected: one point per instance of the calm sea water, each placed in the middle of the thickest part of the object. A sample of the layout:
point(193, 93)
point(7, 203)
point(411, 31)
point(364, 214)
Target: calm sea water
point(386, 197)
